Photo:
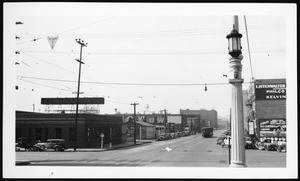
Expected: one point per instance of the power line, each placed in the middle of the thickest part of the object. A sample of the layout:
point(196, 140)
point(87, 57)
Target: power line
point(35, 39)
point(158, 53)
point(131, 84)
point(248, 48)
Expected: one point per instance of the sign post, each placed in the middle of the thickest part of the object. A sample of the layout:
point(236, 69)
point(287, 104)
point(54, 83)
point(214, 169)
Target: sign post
point(102, 136)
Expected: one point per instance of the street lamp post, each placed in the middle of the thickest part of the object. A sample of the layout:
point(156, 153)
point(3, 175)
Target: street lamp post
point(235, 79)
point(82, 44)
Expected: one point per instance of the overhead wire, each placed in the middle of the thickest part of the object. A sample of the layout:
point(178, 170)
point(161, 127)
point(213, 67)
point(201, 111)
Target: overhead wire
point(35, 39)
point(252, 77)
point(131, 84)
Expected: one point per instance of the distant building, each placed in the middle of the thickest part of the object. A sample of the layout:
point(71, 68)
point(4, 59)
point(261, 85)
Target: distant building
point(200, 118)
point(175, 122)
point(267, 108)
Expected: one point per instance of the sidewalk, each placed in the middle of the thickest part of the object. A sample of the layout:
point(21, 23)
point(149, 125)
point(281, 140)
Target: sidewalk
point(106, 147)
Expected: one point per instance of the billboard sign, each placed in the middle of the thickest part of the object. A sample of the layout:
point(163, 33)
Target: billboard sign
point(275, 91)
point(68, 101)
point(272, 128)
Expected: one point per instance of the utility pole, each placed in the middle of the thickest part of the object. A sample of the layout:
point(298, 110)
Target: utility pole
point(235, 79)
point(134, 119)
point(82, 44)
point(165, 120)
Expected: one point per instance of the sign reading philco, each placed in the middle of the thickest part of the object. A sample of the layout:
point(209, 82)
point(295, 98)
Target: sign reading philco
point(89, 100)
point(270, 91)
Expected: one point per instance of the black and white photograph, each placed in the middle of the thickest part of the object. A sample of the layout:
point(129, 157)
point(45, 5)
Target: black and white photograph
point(149, 90)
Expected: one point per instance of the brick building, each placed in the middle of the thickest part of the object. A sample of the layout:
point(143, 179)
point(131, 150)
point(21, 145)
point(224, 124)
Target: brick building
point(267, 108)
point(40, 126)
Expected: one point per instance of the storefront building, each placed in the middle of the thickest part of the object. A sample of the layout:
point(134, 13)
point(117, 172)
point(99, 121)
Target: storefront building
point(40, 126)
point(267, 109)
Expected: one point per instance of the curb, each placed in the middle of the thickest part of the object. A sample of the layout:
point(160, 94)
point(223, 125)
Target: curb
point(22, 162)
point(99, 150)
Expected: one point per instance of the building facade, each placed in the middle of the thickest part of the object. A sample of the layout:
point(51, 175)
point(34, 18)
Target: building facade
point(267, 108)
point(40, 126)
point(199, 118)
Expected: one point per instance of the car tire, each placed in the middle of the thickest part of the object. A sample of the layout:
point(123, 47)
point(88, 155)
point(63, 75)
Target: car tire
point(56, 149)
point(266, 148)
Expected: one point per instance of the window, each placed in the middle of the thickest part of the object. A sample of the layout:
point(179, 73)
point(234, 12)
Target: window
point(58, 133)
point(29, 134)
point(38, 134)
point(18, 133)
point(46, 133)
point(71, 134)
point(89, 134)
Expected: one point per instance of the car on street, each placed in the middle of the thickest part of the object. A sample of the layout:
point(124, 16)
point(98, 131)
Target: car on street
point(50, 144)
point(23, 144)
point(250, 143)
point(220, 139)
point(281, 147)
point(269, 146)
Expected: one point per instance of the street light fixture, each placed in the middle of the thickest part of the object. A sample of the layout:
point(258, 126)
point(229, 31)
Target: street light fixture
point(234, 43)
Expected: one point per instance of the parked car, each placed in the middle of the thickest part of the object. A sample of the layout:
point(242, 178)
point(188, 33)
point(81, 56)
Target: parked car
point(226, 142)
point(250, 143)
point(160, 138)
point(172, 135)
point(269, 146)
point(50, 144)
point(226, 132)
point(220, 139)
point(23, 143)
point(281, 147)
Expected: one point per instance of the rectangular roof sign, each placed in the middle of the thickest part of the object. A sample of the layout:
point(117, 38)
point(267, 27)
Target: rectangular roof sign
point(85, 100)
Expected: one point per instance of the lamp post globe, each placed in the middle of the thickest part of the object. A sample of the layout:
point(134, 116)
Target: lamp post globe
point(234, 43)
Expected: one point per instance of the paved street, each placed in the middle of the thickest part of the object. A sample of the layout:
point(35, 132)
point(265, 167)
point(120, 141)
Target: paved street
point(190, 151)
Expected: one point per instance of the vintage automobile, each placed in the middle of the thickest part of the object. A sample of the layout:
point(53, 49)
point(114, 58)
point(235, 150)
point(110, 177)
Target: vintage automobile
point(250, 143)
point(23, 143)
point(50, 144)
point(220, 139)
point(281, 147)
point(269, 146)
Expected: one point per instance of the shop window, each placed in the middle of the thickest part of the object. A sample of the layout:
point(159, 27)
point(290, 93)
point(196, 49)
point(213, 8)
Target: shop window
point(58, 133)
point(38, 134)
point(71, 134)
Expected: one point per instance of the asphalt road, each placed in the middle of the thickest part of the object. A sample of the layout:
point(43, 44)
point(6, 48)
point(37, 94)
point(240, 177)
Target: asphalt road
point(190, 151)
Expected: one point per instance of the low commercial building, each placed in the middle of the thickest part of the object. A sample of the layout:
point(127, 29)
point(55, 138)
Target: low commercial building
point(40, 126)
point(144, 131)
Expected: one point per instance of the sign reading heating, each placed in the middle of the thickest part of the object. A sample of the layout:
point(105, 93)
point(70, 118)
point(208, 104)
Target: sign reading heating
point(270, 91)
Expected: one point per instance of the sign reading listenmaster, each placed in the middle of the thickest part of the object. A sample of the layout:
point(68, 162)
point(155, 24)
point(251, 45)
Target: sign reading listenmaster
point(270, 91)
point(85, 100)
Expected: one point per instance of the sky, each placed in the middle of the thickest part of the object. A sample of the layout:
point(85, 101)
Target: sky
point(130, 45)
point(142, 49)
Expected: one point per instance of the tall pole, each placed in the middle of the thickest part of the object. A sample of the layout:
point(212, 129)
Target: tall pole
point(165, 120)
point(82, 44)
point(134, 119)
point(237, 123)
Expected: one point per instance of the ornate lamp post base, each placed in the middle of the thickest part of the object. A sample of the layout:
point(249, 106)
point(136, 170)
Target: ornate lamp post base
point(237, 164)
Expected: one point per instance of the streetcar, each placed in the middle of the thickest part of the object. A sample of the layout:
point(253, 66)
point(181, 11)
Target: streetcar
point(207, 132)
